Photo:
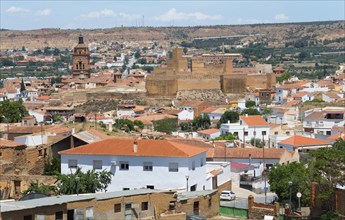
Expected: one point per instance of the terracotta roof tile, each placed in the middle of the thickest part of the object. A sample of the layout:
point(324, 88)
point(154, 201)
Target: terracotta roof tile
point(254, 120)
point(337, 135)
point(208, 131)
point(301, 141)
point(270, 153)
point(4, 143)
point(124, 147)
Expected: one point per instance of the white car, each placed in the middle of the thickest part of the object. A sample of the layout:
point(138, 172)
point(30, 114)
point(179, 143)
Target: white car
point(227, 195)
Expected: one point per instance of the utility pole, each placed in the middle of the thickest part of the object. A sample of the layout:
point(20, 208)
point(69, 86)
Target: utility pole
point(95, 121)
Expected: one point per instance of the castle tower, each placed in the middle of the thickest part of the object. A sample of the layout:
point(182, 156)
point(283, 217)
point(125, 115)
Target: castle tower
point(81, 60)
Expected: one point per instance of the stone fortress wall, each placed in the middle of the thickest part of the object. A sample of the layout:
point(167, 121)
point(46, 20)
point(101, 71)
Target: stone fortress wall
point(183, 74)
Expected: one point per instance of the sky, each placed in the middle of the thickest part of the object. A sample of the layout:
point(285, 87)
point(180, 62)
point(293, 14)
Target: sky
point(74, 14)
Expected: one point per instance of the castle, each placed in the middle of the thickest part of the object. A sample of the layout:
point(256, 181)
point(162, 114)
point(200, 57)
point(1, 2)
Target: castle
point(81, 60)
point(183, 74)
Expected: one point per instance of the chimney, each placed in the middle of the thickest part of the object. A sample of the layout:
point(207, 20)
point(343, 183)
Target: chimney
point(135, 146)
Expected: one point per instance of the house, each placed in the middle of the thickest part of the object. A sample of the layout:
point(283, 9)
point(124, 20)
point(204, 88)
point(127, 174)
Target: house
point(289, 89)
point(209, 134)
point(302, 143)
point(319, 121)
point(12, 155)
point(214, 113)
point(125, 111)
point(330, 97)
point(303, 96)
point(155, 164)
point(191, 109)
point(266, 95)
point(29, 120)
point(130, 204)
point(12, 93)
point(248, 127)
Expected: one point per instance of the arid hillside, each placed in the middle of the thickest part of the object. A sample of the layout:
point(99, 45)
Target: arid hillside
point(273, 34)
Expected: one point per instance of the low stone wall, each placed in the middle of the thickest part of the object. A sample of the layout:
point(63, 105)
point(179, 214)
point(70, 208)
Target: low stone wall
point(259, 210)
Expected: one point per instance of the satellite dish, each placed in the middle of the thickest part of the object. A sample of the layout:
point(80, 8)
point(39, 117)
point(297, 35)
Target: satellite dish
point(299, 195)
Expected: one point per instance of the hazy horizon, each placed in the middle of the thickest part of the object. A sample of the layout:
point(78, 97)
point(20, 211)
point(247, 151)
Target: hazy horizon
point(31, 15)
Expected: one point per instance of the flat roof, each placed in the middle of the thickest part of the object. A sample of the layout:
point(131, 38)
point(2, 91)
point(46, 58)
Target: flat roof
point(11, 206)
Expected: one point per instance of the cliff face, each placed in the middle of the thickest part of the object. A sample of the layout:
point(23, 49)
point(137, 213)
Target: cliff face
point(275, 34)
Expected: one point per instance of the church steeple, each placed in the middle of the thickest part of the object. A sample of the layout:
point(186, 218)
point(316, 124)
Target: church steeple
point(81, 39)
point(81, 60)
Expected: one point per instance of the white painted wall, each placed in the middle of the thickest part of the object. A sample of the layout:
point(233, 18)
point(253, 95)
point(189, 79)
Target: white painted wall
point(236, 127)
point(186, 115)
point(135, 177)
point(39, 116)
point(31, 140)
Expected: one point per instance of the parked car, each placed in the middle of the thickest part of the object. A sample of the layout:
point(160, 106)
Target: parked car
point(227, 195)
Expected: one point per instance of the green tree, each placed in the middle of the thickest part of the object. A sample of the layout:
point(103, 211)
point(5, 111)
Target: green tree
point(139, 124)
point(228, 116)
point(279, 177)
point(166, 125)
point(201, 122)
point(79, 182)
point(227, 136)
point(250, 104)
point(124, 124)
point(36, 187)
point(137, 54)
point(52, 167)
point(250, 111)
point(185, 50)
point(22, 86)
point(12, 111)
point(257, 142)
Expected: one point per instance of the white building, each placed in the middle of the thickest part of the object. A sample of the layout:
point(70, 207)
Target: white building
point(134, 164)
point(248, 127)
point(186, 114)
point(302, 143)
point(209, 134)
point(319, 121)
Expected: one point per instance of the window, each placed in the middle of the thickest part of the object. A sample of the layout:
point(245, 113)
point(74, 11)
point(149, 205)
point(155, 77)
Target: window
point(263, 132)
point(328, 132)
point(128, 206)
point(59, 215)
point(124, 165)
point(150, 187)
point(28, 217)
point(144, 206)
point(236, 134)
point(193, 165)
point(117, 207)
point(147, 166)
point(276, 133)
point(124, 189)
point(72, 163)
point(246, 133)
point(287, 133)
point(97, 164)
point(173, 167)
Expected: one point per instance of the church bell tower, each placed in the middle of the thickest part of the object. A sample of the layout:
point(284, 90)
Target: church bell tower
point(81, 60)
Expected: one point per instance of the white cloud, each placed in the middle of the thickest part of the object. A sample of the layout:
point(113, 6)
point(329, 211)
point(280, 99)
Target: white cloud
point(252, 21)
point(173, 15)
point(108, 13)
point(44, 12)
point(15, 10)
point(281, 17)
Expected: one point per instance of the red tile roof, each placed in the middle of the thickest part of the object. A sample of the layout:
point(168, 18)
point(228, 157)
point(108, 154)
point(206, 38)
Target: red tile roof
point(124, 147)
point(254, 120)
point(337, 135)
point(208, 131)
point(301, 141)
point(4, 143)
point(272, 153)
